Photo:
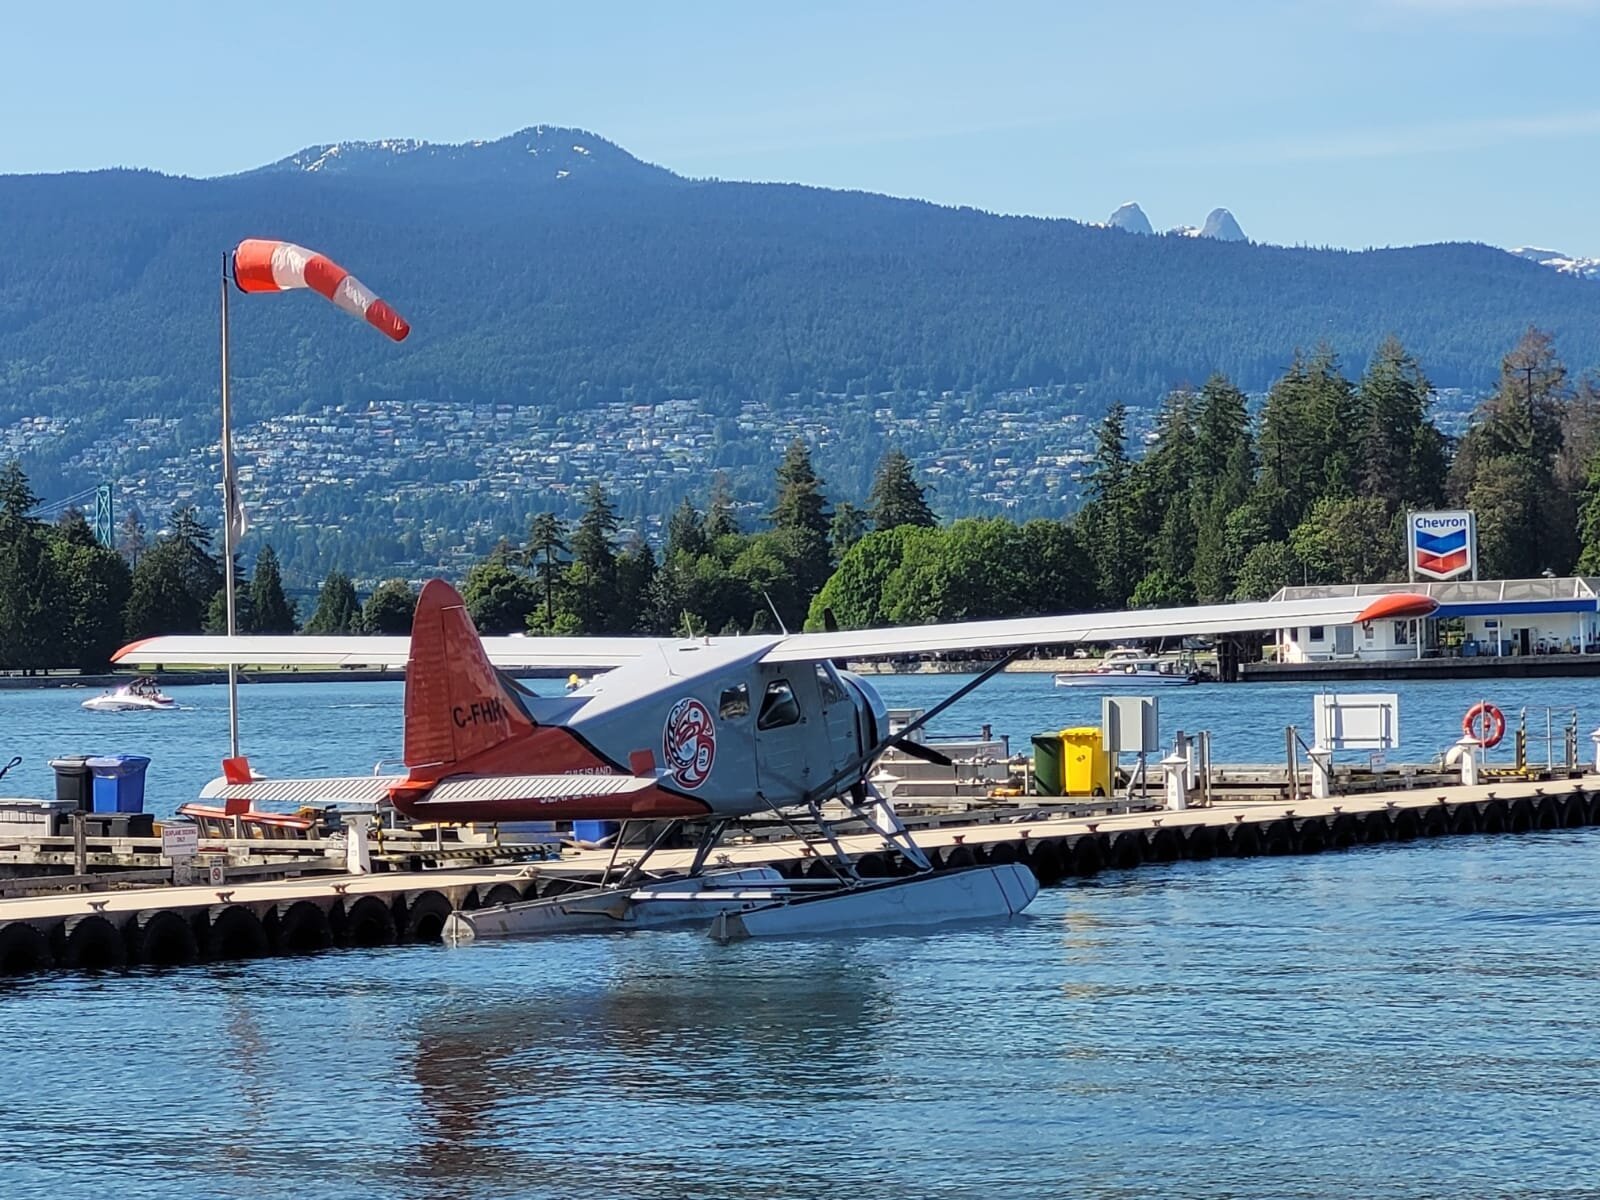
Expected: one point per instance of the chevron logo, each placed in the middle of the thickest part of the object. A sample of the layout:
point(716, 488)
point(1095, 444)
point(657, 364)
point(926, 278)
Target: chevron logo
point(1443, 554)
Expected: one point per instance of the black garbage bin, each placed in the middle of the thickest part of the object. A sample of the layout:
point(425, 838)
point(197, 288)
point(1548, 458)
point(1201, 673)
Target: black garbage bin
point(73, 780)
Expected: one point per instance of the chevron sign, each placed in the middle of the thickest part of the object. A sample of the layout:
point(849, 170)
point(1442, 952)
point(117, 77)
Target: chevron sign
point(1443, 545)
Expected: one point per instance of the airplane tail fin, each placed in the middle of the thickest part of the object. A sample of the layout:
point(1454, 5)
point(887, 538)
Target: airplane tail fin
point(457, 704)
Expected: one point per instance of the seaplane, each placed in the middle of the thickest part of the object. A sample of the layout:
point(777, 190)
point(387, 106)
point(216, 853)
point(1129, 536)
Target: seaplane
point(705, 731)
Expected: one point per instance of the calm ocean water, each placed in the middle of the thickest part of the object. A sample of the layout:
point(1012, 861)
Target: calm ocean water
point(1406, 1020)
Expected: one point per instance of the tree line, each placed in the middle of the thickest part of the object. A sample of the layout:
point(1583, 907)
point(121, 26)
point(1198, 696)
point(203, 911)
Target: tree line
point(1223, 503)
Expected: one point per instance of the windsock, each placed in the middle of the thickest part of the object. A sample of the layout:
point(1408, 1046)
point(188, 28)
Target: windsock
point(266, 266)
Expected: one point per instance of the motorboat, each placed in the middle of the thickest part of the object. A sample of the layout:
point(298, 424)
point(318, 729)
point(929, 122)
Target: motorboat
point(759, 902)
point(1134, 673)
point(134, 696)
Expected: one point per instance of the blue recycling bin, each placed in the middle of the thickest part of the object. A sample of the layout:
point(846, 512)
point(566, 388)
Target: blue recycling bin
point(118, 782)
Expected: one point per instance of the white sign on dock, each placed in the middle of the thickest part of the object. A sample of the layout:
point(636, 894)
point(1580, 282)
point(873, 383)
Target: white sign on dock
point(1362, 721)
point(180, 841)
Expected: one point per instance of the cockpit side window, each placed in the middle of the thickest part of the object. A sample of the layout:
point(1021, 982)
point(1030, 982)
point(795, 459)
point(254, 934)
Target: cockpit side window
point(779, 706)
point(828, 685)
point(735, 703)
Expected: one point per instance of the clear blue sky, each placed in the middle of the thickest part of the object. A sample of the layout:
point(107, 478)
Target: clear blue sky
point(1341, 122)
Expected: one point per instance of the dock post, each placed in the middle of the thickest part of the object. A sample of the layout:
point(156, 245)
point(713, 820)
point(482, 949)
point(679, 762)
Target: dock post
point(80, 844)
point(1595, 738)
point(1175, 766)
point(1470, 748)
point(1321, 772)
point(357, 849)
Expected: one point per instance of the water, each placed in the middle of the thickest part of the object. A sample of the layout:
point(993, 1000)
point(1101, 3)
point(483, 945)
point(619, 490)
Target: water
point(345, 728)
point(1405, 1020)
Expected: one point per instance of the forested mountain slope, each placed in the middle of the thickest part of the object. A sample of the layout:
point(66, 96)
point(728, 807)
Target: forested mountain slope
point(551, 267)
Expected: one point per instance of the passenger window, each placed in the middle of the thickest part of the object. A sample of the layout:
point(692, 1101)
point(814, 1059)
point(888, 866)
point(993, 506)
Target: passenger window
point(779, 706)
point(735, 703)
point(828, 685)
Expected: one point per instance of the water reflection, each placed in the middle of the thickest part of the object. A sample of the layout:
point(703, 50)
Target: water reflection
point(510, 1087)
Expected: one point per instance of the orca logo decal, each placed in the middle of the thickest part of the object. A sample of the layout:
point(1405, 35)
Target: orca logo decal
point(689, 742)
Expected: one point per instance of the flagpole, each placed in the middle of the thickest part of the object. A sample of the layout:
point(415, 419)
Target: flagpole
point(229, 505)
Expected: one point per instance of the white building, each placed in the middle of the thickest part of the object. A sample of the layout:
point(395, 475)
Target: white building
point(1474, 618)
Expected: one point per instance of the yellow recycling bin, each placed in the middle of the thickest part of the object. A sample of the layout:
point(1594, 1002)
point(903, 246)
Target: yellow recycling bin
point(1086, 767)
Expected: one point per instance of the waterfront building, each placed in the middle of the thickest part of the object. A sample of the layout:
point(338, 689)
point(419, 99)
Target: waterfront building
point(1475, 618)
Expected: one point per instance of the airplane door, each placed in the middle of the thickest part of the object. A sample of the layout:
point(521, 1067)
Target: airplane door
point(838, 718)
point(791, 740)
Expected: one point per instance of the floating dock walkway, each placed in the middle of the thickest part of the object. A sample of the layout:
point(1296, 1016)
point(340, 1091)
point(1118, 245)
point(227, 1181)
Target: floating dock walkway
point(174, 926)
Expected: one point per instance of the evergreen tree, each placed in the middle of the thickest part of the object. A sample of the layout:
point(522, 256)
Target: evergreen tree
point(1505, 469)
point(33, 602)
point(131, 541)
point(897, 498)
point(176, 580)
point(686, 531)
point(95, 585)
point(1402, 458)
point(390, 608)
point(1109, 519)
point(720, 519)
point(547, 543)
point(338, 610)
point(636, 577)
point(269, 608)
point(800, 503)
point(848, 527)
point(592, 577)
point(17, 498)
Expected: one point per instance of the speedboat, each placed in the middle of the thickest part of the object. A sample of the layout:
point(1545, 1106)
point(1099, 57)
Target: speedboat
point(1133, 673)
point(134, 696)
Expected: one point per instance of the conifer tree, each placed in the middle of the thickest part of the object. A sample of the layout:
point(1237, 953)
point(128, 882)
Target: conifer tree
point(720, 519)
point(131, 540)
point(1110, 517)
point(686, 531)
point(848, 527)
point(592, 577)
point(338, 610)
point(269, 607)
point(800, 503)
point(897, 498)
point(547, 543)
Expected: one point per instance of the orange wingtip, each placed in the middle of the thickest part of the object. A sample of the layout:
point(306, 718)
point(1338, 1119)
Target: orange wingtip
point(1399, 606)
point(128, 651)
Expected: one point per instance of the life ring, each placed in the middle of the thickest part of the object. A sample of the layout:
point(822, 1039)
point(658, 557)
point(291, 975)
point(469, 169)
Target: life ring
point(1492, 720)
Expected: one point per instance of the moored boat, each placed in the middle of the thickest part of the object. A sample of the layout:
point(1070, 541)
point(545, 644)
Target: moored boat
point(1134, 673)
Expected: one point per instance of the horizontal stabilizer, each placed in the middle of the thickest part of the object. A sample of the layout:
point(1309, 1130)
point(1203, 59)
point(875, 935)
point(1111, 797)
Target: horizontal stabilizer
point(365, 789)
point(467, 789)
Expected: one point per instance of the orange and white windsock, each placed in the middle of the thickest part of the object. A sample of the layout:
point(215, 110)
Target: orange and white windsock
point(260, 265)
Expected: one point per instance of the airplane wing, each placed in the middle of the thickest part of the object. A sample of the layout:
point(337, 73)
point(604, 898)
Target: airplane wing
point(603, 653)
point(1100, 627)
point(509, 653)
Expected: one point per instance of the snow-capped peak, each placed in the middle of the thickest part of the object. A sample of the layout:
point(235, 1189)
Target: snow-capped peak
point(1584, 268)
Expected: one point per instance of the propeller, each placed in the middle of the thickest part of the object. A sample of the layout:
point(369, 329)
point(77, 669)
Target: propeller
point(917, 750)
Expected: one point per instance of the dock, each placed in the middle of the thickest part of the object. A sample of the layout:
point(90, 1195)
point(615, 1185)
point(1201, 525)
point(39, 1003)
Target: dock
point(105, 923)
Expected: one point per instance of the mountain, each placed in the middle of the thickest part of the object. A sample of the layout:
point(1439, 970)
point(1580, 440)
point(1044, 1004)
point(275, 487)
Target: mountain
point(1221, 226)
point(576, 313)
point(1584, 268)
point(540, 155)
point(1130, 217)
